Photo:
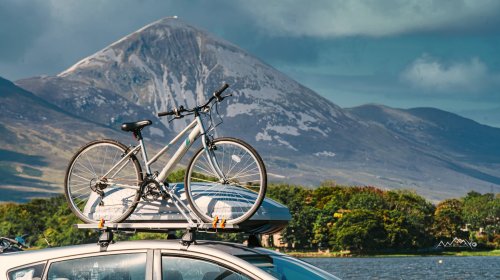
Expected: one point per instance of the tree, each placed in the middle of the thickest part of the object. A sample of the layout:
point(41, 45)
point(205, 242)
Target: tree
point(448, 220)
point(299, 231)
point(360, 231)
point(482, 211)
point(323, 223)
point(47, 221)
point(410, 218)
point(368, 199)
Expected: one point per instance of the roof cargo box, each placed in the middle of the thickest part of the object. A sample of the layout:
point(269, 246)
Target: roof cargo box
point(269, 218)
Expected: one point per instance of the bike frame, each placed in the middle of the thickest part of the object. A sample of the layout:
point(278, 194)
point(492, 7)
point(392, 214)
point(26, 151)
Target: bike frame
point(197, 129)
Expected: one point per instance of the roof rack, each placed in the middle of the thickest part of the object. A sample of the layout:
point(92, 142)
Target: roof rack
point(107, 230)
point(157, 226)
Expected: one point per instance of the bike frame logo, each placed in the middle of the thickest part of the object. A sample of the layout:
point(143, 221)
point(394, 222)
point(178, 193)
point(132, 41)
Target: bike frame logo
point(457, 243)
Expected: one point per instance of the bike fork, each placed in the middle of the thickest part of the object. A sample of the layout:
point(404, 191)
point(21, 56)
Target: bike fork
point(212, 160)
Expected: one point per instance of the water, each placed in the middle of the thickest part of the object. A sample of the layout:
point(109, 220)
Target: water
point(435, 267)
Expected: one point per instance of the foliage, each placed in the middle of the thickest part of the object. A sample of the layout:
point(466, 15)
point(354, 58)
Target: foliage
point(448, 219)
point(176, 176)
point(360, 230)
point(360, 219)
point(48, 222)
point(370, 219)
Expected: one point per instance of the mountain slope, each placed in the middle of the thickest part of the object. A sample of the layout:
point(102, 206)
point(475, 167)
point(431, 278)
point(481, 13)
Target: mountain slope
point(455, 149)
point(303, 137)
point(37, 140)
point(90, 103)
point(435, 129)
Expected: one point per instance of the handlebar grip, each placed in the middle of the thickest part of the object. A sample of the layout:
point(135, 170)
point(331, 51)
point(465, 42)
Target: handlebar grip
point(162, 114)
point(175, 112)
point(220, 91)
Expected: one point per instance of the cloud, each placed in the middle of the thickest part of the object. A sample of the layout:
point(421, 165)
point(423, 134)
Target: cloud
point(432, 75)
point(333, 18)
point(47, 36)
point(21, 24)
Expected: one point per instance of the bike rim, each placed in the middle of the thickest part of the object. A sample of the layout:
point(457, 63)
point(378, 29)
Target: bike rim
point(121, 188)
point(233, 200)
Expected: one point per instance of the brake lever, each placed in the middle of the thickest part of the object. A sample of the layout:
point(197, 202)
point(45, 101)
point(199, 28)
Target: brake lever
point(178, 111)
point(176, 118)
point(223, 97)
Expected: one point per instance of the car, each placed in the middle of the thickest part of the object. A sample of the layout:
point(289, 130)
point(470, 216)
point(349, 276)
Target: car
point(155, 260)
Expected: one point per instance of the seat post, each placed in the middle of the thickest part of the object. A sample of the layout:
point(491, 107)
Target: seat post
point(138, 136)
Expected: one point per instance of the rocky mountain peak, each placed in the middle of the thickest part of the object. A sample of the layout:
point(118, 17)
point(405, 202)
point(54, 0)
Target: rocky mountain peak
point(169, 63)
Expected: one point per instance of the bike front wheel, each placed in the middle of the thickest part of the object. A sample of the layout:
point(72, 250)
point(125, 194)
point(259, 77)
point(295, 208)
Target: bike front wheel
point(101, 184)
point(227, 181)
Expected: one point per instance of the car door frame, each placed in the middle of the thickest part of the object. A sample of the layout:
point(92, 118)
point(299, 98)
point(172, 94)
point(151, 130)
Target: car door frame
point(149, 259)
point(157, 263)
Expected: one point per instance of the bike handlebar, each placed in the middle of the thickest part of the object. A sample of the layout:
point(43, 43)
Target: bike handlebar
point(177, 112)
point(218, 93)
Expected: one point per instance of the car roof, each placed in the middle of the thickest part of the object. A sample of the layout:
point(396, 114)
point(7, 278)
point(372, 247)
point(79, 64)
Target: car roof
point(224, 250)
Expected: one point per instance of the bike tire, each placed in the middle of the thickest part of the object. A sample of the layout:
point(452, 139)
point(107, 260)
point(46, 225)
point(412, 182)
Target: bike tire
point(118, 202)
point(210, 198)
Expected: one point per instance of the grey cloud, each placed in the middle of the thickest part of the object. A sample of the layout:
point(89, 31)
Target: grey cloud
point(22, 23)
point(333, 18)
point(433, 76)
point(47, 36)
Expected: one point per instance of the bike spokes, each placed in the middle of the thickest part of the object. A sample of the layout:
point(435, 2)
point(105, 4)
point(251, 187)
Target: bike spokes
point(93, 197)
point(234, 196)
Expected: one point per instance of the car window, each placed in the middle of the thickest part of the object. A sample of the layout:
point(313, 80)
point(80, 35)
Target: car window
point(110, 267)
point(182, 268)
point(286, 268)
point(32, 272)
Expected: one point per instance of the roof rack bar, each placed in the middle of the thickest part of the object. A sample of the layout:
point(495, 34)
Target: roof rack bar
point(154, 226)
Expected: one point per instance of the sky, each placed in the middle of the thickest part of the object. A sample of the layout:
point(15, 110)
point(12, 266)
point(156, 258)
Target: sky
point(400, 53)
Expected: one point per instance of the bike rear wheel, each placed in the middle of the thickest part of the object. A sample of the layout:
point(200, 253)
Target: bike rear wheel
point(236, 195)
point(93, 197)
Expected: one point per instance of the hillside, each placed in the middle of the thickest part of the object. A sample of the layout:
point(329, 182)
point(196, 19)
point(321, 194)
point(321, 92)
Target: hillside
point(37, 140)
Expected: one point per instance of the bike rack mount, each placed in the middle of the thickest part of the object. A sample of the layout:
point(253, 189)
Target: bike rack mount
point(107, 230)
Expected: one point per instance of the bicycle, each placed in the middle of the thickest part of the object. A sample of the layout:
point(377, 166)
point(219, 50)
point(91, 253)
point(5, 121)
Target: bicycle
point(12, 245)
point(225, 179)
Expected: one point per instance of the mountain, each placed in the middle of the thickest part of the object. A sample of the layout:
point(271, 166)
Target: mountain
point(169, 63)
point(38, 138)
point(303, 137)
point(490, 117)
point(448, 152)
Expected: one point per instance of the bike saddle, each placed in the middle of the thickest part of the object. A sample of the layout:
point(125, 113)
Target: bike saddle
point(134, 126)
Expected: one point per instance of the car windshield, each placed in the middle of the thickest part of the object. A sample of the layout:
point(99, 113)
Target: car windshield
point(287, 268)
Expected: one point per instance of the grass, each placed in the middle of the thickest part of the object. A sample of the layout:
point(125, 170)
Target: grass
point(492, 253)
point(337, 254)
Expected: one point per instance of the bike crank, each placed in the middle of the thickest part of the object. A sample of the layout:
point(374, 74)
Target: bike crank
point(151, 190)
